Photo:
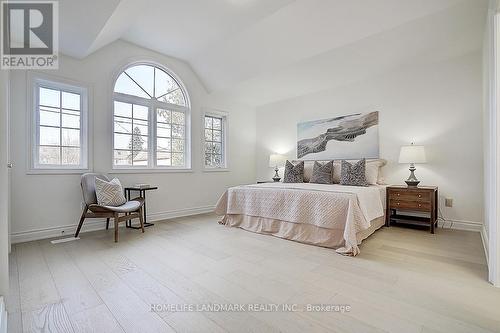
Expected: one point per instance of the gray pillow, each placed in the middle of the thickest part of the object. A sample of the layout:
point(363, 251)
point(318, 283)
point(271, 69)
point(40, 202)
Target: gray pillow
point(353, 174)
point(322, 173)
point(294, 173)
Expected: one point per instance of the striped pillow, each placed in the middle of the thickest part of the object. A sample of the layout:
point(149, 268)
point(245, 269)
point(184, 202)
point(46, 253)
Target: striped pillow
point(109, 193)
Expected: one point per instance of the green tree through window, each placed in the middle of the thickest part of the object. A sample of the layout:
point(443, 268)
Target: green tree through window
point(136, 143)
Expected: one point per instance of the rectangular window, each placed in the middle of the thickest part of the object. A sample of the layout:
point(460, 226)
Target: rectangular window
point(60, 126)
point(131, 128)
point(215, 141)
point(148, 137)
point(170, 138)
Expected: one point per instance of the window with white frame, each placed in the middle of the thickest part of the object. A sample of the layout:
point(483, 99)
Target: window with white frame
point(60, 116)
point(150, 120)
point(215, 141)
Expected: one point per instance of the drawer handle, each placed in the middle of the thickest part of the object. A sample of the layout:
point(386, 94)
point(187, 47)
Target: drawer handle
point(420, 195)
point(398, 194)
point(419, 205)
point(397, 203)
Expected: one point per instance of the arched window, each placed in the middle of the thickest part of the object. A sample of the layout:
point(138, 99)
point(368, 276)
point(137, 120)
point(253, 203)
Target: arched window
point(150, 119)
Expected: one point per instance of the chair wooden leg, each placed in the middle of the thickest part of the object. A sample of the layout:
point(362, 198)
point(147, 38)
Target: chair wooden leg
point(116, 227)
point(107, 223)
point(82, 218)
point(141, 218)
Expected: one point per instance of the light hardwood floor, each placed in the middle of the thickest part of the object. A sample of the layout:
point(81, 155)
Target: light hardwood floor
point(403, 281)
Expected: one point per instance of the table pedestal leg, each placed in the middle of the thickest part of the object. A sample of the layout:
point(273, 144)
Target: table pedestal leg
point(128, 224)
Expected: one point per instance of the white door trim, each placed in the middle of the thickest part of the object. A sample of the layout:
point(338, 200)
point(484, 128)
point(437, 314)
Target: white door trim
point(492, 156)
point(494, 225)
point(9, 171)
point(3, 316)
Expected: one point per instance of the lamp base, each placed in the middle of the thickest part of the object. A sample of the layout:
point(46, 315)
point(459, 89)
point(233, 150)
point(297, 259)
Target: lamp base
point(276, 177)
point(412, 181)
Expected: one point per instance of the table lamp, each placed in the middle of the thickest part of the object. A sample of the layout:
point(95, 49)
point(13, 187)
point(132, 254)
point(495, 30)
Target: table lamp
point(276, 161)
point(412, 154)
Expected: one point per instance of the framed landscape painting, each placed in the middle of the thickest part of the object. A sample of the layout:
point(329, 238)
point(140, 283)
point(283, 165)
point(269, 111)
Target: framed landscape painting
point(353, 136)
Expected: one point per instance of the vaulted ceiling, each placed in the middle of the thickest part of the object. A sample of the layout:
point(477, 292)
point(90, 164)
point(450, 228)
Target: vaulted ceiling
point(260, 51)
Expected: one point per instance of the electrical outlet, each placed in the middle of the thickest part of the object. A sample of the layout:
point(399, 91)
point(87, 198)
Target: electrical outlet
point(448, 202)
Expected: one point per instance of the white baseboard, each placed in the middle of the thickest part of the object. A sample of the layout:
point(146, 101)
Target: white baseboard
point(461, 225)
point(484, 238)
point(3, 316)
point(99, 224)
point(180, 213)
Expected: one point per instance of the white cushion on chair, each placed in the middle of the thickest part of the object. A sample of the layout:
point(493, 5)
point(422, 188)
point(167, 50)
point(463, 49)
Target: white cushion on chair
point(128, 207)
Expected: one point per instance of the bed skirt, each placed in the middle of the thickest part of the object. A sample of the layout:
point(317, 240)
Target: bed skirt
point(299, 232)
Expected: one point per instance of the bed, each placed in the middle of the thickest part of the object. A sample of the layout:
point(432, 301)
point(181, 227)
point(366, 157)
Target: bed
point(331, 215)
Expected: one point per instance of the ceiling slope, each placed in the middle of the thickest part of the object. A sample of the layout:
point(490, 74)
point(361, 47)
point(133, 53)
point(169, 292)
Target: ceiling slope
point(446, 34)
point(80, 22)
point(260, 51)
point(301, 30)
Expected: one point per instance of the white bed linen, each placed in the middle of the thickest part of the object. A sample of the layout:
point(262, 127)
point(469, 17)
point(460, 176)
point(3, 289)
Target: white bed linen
point(346, 209)
point(369, 197)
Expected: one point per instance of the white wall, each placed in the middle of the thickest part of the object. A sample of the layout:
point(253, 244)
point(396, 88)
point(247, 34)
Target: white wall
point(43, 204)
point(4, 224)
point(437, 105)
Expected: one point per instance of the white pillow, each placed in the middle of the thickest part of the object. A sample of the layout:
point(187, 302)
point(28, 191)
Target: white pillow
point(109, 193)
point(308, 170)
point(371, 172)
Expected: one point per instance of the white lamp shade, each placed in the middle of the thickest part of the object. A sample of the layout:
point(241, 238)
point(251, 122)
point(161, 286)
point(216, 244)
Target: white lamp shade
point(276, 160)
point(412, 154)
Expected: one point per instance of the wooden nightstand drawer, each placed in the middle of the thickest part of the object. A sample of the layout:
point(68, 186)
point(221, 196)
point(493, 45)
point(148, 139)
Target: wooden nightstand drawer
point(422, 199)
point(410, 205)
point(424, 196)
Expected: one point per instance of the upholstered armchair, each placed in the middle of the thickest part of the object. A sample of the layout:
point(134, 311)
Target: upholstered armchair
point(131, 209)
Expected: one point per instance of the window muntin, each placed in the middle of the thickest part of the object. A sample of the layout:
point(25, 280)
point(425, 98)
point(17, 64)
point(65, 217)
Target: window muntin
point(214, 147)
point(170, 137)
point(162, 138)
point(131, 134)
point(150, 82)
point(60, 120)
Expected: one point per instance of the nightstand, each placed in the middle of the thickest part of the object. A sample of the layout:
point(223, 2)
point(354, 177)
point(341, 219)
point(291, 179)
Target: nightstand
point(422, 199)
